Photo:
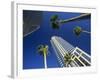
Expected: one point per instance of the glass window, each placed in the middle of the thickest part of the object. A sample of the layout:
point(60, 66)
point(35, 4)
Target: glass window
point(78, 62)
point(85, 62)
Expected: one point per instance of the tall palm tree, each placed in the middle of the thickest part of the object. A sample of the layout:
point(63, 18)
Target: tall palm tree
point(55, 21)
point(78, 30)
point(67, 59)
point(43, 50)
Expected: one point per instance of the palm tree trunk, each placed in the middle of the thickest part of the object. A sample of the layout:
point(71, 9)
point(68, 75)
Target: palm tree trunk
point(86, 32)
point(75, 18)
point(45, 61)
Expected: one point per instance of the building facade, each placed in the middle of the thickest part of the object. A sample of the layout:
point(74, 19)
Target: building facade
point(68, 55)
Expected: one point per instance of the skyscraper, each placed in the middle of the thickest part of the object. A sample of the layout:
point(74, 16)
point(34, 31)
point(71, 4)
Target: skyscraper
point(68, 55)
point(31, 21)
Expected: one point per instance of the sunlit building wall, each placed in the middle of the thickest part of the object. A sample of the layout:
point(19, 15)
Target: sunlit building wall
point(78, 56)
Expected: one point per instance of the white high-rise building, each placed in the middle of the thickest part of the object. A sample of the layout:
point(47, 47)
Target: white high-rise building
point(68, 55)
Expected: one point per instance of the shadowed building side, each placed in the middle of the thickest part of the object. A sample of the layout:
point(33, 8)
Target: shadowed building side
point(31, 21)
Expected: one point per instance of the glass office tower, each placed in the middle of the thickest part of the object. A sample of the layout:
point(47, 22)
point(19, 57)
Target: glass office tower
point(68, 55)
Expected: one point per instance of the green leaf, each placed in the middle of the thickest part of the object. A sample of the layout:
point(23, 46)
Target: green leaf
point(54, 18)
point(77, 30)
point(55, 25)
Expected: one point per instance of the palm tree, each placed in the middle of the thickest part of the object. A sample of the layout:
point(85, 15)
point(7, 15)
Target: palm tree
point(78, 30)
point(56, 22)
point(43, 50)
point(67, 59)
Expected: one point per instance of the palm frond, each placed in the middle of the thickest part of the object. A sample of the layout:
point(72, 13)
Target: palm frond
point(55, 25)
point(77, 30)
point(54, 18)
point(67, 58)
point(40, 49)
